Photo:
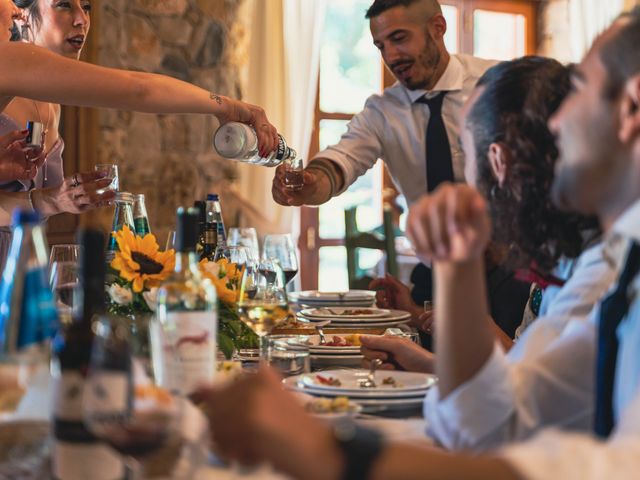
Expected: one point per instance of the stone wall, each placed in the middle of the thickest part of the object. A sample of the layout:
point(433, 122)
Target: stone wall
point(169, 158)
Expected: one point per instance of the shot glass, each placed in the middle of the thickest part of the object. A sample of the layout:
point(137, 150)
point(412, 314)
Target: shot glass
point(110, 171)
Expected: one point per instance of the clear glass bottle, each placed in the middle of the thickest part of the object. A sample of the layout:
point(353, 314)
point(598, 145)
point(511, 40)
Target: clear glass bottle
point(140, 217)
point(28, 316)
point(77, 454)
point(237, 141)
point(184, 333)
point(122, 216)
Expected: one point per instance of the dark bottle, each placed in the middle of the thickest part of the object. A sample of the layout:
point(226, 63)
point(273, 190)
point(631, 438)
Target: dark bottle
point(214, 215)
point(201, 207)
point(77, 453)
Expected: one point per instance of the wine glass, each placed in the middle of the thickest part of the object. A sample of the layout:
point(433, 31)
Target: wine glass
point(245, 237)
point(64, 253)
point(171, 240)
point(64, 282)
point(122, 406)
point(237, 255)
point(262, 303)
point(281, 248)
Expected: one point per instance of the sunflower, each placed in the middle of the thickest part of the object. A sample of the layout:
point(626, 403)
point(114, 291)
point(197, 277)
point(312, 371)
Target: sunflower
point(140, 260)
point(225, 277)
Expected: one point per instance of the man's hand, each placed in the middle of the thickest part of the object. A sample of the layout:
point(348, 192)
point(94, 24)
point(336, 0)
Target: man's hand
point(255, 420)
point(396, 353)
point(450, 225)
point(315, 191)
point(392, 293)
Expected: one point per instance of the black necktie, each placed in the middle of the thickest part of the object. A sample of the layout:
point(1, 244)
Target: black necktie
point(439, 163)
point(612, 310)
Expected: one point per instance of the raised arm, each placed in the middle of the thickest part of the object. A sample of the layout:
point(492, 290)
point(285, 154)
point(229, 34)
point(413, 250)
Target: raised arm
point(451, 228)
point(33, 72)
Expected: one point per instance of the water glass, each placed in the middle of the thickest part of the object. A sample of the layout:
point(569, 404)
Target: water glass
point(245, 237)
point(64, 253)
point(288, 355)
point(110, 171)
point(171, 240)
point(65, 283)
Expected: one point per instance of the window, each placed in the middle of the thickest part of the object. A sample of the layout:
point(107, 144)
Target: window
point(350, 71)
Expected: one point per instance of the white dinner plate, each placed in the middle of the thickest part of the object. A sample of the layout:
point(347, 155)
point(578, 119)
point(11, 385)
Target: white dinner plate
point(339, 297)
point(395, 323)
point(407, 382)
point(342, 312)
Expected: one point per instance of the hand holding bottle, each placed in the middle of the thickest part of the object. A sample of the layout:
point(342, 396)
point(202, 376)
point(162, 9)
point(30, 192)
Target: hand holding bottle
point(237, 111)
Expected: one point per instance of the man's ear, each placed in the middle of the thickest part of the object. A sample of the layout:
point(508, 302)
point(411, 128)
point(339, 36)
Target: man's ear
point(438, 26)
point(500, 161)
point(630, 110)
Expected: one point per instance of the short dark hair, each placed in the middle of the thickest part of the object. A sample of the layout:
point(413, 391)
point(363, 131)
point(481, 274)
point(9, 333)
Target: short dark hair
point(620, 54)
point(381, 6)
point(517, 100)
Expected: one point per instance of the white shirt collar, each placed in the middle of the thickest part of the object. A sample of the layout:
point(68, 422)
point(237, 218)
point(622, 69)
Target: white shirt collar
point(625, 228)
point(451, 80)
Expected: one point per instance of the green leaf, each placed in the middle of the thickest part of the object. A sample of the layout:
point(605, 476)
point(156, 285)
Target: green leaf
point(226, 345)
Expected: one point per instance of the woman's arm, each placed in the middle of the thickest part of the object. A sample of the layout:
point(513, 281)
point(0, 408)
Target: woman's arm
point(33, 72)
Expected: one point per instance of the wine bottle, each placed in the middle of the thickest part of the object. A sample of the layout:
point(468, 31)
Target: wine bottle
point(184, 333)
point(77, 453)
point(215, 212)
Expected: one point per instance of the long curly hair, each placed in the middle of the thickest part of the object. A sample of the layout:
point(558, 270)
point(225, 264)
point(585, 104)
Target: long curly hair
point(516, 102)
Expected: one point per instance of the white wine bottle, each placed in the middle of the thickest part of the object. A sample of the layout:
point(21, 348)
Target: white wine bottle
point(184, 335)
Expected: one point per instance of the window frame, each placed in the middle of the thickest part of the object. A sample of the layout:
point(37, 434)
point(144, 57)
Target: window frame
point(310, 241)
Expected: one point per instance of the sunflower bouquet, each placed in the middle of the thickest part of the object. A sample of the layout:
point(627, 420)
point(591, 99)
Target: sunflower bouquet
point(138, 269)
point(232, 332)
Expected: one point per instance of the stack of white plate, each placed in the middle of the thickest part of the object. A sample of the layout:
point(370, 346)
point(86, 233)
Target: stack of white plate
point(394, 390)
point(352, 298)
point(334, 356)
point(355, 317)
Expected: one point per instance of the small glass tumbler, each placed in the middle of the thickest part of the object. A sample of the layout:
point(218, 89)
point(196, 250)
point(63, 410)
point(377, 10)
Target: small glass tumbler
point(110, 171)
point(294, 174)
point(289, 355)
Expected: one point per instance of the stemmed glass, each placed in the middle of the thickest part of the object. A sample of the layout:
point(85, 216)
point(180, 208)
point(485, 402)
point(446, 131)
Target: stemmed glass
point(262, 303)
point(281, 248)
point(237, 255)
point(122, 406)
point(64, 282)
point(64, 253)
point(245, 237)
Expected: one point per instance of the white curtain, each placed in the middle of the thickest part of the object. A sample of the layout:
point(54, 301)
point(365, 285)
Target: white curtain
point(588, 19)
point(284, 55)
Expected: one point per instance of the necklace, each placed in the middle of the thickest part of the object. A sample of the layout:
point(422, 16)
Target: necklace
point(46, 125)
point(44, 131)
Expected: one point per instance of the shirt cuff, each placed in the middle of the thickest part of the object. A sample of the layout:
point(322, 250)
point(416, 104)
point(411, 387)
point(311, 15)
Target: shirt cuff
point(339, 162)
point(474, 416)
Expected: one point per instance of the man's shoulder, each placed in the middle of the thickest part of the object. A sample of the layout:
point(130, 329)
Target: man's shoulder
point(474, 66)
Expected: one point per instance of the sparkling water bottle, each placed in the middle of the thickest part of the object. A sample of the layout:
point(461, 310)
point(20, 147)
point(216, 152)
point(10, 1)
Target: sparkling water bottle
point(28, 316)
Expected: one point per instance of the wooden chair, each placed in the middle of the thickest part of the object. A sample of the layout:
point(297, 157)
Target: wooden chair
point(355, 239)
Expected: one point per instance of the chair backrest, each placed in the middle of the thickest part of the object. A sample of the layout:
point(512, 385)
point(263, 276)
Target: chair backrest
point(355, 239)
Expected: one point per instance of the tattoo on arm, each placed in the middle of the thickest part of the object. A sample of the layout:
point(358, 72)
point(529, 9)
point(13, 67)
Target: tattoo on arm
point(216, 98)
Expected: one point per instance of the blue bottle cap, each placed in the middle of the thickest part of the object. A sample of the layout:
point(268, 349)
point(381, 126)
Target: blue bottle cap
point(213, 197)
point(23, 216)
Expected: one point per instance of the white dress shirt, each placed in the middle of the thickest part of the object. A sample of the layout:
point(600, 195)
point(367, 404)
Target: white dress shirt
point(514, 395)
point(393, 127)
point(572, 456)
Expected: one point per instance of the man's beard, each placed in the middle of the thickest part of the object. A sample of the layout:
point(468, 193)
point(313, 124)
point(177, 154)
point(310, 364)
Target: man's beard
point(428, 61)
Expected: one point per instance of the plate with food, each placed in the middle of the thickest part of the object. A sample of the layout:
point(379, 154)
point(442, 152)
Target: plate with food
point(339, 344)
point(349, 382)
point(342, 312)
point(330, 408)
point(334, 297)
